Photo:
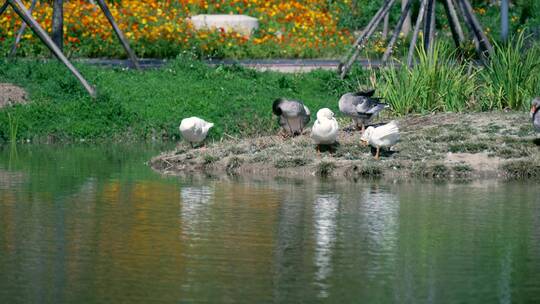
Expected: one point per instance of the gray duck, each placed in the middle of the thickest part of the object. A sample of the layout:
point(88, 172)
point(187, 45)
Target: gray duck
point(293, 115)
point(361, 107)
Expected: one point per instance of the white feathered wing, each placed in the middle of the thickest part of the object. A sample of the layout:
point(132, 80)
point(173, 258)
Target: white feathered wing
point(384, 136)
point(194, 129)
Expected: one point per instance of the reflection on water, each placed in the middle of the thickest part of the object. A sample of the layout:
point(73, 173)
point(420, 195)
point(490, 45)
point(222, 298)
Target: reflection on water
point(194, 204)
point(94, 224)
point(324, 221)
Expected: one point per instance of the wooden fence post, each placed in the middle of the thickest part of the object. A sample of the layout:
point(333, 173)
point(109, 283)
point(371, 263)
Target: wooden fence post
point(119, 33)
point(504, 20)
point(397, 30)
point(363, 34)
point(4, 7)
point(414, 38)
point(344, 67)
point(407, 23)
point(385, 26)
point(475, 27)
point(429, 26)
point(20, 32)
point(453, 21)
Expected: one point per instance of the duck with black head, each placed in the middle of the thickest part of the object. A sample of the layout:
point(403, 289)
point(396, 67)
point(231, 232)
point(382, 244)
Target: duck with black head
point(293, 115)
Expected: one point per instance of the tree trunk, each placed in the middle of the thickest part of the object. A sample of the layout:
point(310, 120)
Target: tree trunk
point(58, 23)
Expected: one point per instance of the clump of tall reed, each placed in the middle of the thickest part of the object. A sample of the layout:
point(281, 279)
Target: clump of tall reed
point(512, 75)
point(437, 82)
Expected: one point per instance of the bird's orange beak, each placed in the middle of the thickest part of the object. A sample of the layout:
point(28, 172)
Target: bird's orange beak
point(533, 109)
point(364, 142)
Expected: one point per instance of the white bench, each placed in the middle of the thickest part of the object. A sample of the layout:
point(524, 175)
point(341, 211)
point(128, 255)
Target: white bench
point(239, 23)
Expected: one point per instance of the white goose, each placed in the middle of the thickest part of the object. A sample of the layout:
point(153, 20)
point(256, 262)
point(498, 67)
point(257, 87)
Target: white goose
point(194, 129)
point(384, 136)
point(325, 129)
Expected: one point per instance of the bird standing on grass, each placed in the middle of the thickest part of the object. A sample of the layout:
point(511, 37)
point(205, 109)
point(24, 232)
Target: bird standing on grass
point(194, 129)
point(535, 113)
point(384, 136)
point(325, 129)
point(293, 116)
point(361, 107)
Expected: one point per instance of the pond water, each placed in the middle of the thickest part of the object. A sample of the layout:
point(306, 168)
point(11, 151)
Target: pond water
point(84, 224)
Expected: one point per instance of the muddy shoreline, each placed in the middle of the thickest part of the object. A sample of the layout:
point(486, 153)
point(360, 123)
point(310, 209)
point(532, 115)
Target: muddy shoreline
point(437, 146)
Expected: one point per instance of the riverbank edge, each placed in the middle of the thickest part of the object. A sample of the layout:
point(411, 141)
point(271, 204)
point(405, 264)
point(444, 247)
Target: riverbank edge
point(445, 146)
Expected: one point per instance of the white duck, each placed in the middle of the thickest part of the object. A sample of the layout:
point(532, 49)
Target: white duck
point(384, 136)
point(325, 129)
point(194, 129)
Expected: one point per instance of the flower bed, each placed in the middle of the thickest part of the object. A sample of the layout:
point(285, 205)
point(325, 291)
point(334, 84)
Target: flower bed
point(160, 29)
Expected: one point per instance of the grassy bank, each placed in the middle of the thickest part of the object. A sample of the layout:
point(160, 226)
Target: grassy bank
point(150, 104)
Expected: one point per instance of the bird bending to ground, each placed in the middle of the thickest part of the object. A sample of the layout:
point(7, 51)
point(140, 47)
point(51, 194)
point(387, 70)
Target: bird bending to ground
point(535, 113)
point(325, 129)
point(361, 107)
point(293, 116)
point(194, 129)
point(384, 136)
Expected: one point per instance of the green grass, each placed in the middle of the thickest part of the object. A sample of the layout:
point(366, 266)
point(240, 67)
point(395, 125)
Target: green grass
point(151, 104)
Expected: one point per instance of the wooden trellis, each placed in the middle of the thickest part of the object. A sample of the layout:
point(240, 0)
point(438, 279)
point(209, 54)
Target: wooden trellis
point(426, 22)
point(56, 48)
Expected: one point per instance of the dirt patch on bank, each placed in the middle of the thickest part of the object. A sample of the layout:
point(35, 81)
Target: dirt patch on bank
point(440, 146)
point(11, 94)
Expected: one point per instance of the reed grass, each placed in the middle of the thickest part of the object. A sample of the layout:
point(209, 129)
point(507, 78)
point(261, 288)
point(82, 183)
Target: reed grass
point(437, 82)
point(512, 76)
point(13, 125)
